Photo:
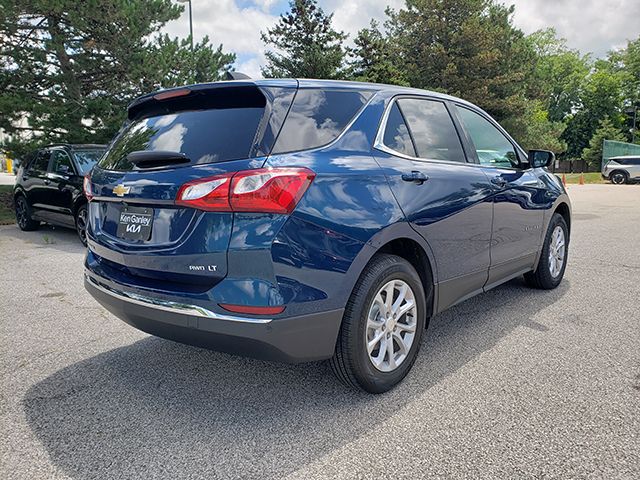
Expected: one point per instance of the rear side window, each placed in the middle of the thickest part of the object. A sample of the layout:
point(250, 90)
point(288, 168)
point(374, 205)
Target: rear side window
point(396, 133)
point(225, 124)
point(41, 161)
point(86, 159)
point(317, 117)
point(492, 147)
point(432, 130)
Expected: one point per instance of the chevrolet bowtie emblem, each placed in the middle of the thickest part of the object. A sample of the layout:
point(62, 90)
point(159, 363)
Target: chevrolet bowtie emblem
point(121, 190)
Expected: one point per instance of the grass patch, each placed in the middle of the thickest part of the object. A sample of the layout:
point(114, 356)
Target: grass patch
point(590, 177)
point(7, 215)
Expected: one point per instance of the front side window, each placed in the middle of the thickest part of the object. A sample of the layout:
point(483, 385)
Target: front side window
point(317, 117)
point(492, 147)
point(61, 163)
point(432, 130)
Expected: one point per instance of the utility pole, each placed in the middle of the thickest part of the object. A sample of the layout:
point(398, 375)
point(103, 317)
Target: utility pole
point(190, 21)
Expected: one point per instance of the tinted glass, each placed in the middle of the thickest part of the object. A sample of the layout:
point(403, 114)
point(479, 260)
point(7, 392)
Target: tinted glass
point(41, 161)
point(396, 133)
point(234, 123)
point(432, 130)
point(317, 117)
point(61, 163)
point(492, 147)
point(86, 159)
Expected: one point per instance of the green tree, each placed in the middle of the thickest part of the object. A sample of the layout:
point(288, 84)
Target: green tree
point(170, 62)
point(373, 58)
point(538, 130)
point(558, 75)
point(70, 68)
point(305, 43)
point(467, 48)
point(627, 63)
point(606, 131)
point(601, 95)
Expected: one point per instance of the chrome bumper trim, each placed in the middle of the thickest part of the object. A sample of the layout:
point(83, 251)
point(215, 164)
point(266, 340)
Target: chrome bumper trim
point(168, 306)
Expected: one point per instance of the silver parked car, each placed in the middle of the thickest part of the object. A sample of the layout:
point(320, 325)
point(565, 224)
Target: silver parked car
point(621, 170)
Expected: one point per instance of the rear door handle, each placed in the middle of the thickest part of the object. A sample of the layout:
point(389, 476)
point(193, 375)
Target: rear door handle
point(47, 181)
point(417, 177)
point(498, 181)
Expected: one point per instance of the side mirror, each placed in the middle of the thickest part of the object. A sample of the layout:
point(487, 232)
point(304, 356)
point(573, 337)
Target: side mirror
point(541, 158)
point(63, 169)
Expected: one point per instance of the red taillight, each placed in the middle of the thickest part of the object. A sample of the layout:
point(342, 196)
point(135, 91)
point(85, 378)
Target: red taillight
point(86, 185)
point(263, 190)
point(251, 310)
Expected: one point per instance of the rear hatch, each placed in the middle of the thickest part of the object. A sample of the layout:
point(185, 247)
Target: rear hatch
point(137, 233)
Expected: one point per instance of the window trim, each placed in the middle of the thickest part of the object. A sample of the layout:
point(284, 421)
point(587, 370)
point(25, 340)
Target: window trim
point(522, 157)
point(379, 139)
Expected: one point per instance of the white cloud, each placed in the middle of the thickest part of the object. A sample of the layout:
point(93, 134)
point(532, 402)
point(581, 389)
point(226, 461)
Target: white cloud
point(237, 28)
point(353, 15)
point(588, 25)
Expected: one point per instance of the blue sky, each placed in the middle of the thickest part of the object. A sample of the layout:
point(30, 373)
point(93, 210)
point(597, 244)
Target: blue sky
point(588, 25)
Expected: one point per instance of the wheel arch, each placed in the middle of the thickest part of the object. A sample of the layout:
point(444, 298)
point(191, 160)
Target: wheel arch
point(401, 240)
point(79, 202)
point(621, 171)
point(19, 191)
point(413, 252)
point(564, 210)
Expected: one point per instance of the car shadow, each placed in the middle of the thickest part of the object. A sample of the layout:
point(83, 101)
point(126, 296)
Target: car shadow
point(159, 409)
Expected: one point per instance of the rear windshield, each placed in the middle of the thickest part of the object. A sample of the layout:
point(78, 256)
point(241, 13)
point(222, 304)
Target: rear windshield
point(86, 159)
point(227, 124)
point(318, 116)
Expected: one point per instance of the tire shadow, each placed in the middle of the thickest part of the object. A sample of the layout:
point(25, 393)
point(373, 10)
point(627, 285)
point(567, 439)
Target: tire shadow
point(159, 409)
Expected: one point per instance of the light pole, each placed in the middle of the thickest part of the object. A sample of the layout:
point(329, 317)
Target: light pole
point(190, 21)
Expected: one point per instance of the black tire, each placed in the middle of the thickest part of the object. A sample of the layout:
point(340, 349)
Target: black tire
point(81, 224)
point(23, 215)
point(351, 362)
point(619, 177)
point(542, 277)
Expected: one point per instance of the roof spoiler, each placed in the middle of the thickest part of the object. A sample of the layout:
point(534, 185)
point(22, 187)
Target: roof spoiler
point(236, 76)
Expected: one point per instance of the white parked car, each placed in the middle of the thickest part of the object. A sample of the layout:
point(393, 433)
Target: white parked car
point(621, 170)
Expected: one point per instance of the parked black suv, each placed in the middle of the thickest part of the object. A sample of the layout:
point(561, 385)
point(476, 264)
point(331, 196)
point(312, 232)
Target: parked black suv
point(49, 187)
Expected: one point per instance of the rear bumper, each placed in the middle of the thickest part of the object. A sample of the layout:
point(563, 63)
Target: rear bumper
point(292, 340)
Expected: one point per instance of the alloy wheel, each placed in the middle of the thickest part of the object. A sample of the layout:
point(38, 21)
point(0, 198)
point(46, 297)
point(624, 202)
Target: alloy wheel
point(391, 325)
point(556, 252)
point(617, 178)
point(21, 212)
point(81, 224)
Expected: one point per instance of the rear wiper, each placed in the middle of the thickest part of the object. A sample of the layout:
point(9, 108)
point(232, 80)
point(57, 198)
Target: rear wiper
point(156, 158)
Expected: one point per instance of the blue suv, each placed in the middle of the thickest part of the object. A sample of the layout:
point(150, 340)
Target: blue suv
point(303, 220)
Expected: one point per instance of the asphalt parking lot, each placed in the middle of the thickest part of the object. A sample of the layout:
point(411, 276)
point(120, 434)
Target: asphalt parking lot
point(516, 383)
